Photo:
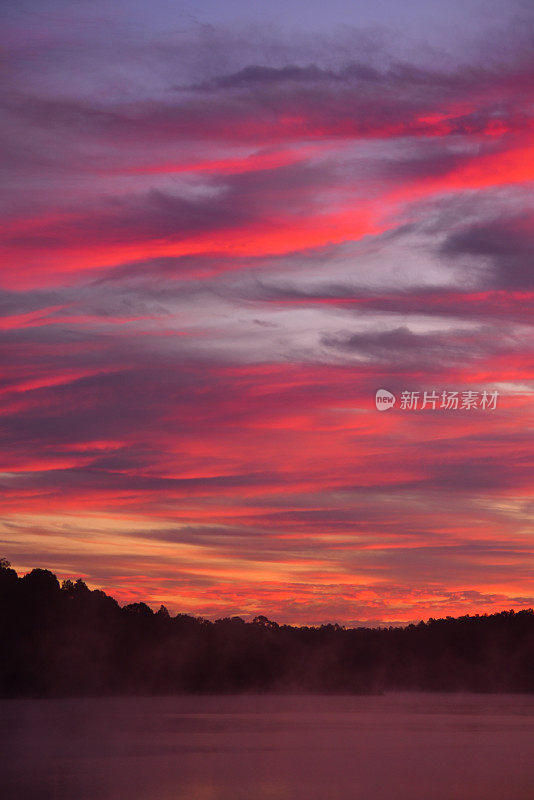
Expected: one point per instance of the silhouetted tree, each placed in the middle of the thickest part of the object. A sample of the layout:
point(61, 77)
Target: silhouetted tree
point(70, 640)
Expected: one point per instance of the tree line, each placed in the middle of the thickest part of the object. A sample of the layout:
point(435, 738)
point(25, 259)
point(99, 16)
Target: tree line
point(66, 640)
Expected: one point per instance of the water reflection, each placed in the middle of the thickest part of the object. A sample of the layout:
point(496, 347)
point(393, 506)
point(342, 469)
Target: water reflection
point(410, 747)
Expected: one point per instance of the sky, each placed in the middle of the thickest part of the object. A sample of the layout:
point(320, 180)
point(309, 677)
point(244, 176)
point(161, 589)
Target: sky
point(225, 227)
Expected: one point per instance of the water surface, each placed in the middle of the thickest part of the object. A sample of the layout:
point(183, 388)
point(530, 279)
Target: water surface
point(395, 747)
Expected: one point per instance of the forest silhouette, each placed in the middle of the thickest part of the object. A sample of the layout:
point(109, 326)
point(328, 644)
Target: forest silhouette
point(67, 640)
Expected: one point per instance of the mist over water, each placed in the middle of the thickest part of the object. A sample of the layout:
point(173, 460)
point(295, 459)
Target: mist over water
point(407, 746)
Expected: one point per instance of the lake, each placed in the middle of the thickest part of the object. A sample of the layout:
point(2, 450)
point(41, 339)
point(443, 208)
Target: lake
point(392, 747)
